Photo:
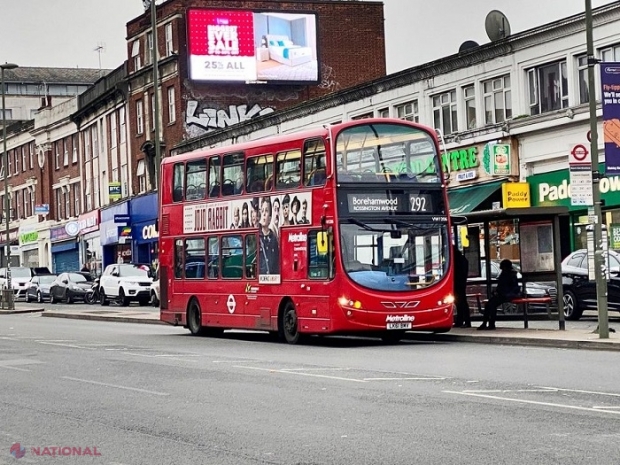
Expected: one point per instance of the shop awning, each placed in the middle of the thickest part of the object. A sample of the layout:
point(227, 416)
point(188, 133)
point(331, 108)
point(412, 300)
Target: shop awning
point(466, 199)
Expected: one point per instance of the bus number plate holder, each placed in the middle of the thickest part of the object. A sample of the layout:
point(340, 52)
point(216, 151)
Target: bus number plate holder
point(399, 326)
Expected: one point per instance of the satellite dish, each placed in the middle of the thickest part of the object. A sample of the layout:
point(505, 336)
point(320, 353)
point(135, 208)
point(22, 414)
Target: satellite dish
point(468, 45)
point(497, 26)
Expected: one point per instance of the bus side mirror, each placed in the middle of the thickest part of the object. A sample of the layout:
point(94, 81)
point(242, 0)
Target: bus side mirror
point(321, 243)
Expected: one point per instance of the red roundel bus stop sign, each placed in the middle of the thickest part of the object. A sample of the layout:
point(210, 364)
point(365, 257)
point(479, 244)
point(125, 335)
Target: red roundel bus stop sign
point(579, 154)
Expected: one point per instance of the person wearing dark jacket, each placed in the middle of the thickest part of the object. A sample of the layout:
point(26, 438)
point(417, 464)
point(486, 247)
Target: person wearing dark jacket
point(461, 269)
point(506, 290)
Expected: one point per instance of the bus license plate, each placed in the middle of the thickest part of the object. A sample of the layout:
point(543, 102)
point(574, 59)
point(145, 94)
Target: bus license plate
point(399, 326)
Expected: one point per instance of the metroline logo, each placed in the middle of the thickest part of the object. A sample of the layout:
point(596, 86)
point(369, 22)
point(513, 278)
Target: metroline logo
point(297, 237)
point(399, 318)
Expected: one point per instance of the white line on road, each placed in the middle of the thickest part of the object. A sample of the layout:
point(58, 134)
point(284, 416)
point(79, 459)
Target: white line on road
point(403, 379)
point(499, 391)
point(612, 394)
point(60, 344)
point(156, 393)
point(533, 402)
point(314, 375)
point(316, 369)
point(14, 368)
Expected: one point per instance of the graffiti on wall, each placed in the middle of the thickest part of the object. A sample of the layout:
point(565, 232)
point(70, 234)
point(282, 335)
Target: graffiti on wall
point(207, 119)
point(328, 78)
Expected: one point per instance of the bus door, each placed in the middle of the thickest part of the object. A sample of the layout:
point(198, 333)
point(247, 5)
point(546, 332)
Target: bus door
point(229, 300)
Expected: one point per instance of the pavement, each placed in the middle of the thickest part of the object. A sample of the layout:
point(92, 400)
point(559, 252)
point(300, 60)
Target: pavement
point(542, 332)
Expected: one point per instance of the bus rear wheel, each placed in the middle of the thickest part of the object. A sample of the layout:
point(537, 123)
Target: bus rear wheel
point(289, 328)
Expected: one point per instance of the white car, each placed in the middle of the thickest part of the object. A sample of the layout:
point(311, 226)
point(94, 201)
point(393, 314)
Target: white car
point(155, 293)
point(20, 279)
point(125, 283)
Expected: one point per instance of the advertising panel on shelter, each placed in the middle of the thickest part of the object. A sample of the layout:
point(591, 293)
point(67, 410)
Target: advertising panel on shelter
point(610, 82)
point(252, 47)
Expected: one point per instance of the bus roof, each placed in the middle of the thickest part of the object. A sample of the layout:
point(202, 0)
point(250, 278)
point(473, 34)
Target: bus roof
point(321, 131)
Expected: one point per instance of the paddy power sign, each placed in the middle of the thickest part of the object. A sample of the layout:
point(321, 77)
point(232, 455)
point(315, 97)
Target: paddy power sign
point(553, 189)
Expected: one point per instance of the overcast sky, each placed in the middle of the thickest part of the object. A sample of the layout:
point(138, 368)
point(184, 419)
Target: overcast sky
point(65, 33)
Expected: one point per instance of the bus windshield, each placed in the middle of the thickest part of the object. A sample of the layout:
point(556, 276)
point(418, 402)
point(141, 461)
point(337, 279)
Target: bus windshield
point(394, 257)
point(386, 152)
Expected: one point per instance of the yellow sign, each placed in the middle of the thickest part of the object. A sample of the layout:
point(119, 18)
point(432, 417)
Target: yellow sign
point(516, 195)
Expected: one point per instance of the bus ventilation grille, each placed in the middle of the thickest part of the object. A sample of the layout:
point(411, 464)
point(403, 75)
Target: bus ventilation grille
point(165, 224)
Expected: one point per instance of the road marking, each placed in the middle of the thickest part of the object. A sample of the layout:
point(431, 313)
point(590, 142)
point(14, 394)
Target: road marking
point(234, 361)
point(61, 344)
point(316, 369)
point(11, 364)
point(499, 391)
point(611, 394)
point(403, 379)
point(145, 391)
point(532, 402)
point(313, 375)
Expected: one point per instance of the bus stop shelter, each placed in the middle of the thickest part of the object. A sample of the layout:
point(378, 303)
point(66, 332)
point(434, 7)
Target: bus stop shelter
point(539, 243)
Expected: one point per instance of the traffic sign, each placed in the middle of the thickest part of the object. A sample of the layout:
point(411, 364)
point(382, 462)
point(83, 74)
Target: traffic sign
point(579, 154)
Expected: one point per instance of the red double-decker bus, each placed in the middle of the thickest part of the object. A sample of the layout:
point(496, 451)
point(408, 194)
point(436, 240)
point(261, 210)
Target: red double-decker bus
point(341, 229)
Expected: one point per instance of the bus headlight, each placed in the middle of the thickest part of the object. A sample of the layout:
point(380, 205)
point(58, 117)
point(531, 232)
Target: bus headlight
point(449, 299)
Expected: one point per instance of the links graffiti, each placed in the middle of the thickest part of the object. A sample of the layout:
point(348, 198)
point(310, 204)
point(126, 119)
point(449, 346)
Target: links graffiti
point(199, 122)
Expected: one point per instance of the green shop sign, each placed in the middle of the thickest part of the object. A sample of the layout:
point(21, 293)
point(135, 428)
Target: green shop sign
point(553, 189)
point(28, 237)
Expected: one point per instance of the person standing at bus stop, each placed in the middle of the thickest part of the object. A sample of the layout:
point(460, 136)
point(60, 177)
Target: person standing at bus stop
point(461, 269)
point(269, 262)
point(506, 290)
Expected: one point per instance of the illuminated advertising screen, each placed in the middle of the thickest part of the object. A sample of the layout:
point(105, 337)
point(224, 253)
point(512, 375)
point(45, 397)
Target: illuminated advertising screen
point(253, 47)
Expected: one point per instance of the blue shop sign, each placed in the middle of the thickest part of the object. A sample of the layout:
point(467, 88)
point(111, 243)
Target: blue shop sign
point(108, 229)
point(145, 232)
point(143, 209)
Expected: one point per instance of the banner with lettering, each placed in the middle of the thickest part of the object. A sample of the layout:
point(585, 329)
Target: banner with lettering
point(610, 84)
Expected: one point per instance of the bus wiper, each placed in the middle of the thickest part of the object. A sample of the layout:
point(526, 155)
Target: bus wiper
point(368, 228)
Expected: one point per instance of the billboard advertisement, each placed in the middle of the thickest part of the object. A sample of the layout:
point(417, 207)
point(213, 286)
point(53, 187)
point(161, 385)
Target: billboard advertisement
point(265, 47)
point(610, 83)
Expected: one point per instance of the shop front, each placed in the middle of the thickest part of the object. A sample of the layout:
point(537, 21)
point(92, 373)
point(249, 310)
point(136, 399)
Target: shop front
point(115, 234)
point(29, 245)
point(145, 238)
point(65, 251)
point(13, 243)
point(90, 242)
point(554, 189)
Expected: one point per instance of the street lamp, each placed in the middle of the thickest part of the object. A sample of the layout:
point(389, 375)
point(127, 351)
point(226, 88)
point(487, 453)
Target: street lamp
point(7, 216)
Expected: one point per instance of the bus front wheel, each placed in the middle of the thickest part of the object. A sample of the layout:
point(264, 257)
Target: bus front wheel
point(289, 328)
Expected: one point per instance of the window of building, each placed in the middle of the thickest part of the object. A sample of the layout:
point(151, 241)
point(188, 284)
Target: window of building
point(171, 105)
point(195, 258)
point(16, 155)
point(497, 100)
point(74, 144)
point(213, 264)
point(88, 196)
point(77, 193)
point(232, 256)
point(168, 38)
point(196, 180)
point(58, 193)
point(140, 117)
point(113, 133)
point(124, 181)
point(67, 198)
point(65, 157)
point(178, 181)
point(363, 116)
point(288, 170)
point(383, 113)
point(96, 199)
point(18, 204)
point(22, 149)
point(101, 136)
point(469, 96)
point(548, 88)
point(8, 171)
point(152, 112)
point(56, 156)
point(135, 54)
point(148, 55)
point(609, 54)
point(122, 125)
point(87, 152)
point(582, 79)
point(408, 111)
point(141, 174)
point(8, 113)
point(31, 154)
point(445, 112)
point(315, 173)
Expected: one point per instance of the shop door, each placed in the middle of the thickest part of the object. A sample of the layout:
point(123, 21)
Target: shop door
point(66, 261)
point(31, 258)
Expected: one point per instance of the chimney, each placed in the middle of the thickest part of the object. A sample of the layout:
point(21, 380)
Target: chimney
point(49, 101)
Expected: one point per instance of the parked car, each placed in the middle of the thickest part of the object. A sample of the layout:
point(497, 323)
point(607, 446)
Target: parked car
point(532, 289)
point(155, 293)
point(39, 288)
point(20, 278)
point(580, 291)
point(125, 283)
point(69, 287)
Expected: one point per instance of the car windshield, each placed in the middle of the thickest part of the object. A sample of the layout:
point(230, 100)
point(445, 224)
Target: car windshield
point(20, 272)
point(135, 270)
point(47, 279)
point(76, 278)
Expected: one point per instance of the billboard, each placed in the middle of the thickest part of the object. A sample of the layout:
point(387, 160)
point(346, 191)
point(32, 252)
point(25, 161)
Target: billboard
point(263, 47)
point(610, 83)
